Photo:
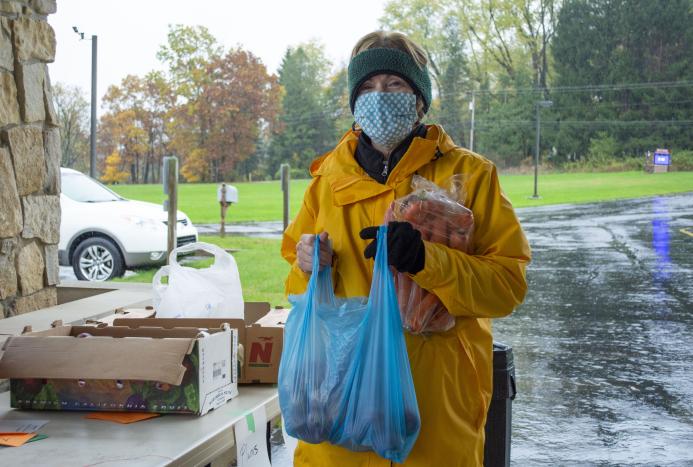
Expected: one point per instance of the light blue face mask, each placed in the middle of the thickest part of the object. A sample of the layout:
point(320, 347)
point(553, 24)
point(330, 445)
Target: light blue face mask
point(386, 117)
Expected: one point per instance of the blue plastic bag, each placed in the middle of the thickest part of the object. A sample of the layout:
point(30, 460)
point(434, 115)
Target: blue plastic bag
point(344, 375)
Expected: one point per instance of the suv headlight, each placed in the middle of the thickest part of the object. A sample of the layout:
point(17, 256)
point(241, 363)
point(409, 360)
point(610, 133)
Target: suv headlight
point(142, 222)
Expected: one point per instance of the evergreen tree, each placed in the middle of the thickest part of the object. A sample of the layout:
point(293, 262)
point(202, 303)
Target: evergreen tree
point(337, 102)
point(453, 83)
point(615, 43)
point(305, 127)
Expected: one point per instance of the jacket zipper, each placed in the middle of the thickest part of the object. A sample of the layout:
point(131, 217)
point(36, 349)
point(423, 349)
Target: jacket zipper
point(385, 164)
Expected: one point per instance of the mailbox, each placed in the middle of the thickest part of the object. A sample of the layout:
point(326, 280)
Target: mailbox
point(231, 194)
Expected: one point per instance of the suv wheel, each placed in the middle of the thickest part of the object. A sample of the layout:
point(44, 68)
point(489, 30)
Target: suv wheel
point(97, 259)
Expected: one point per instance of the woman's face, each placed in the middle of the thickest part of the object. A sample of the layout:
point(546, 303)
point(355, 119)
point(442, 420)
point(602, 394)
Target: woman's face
point(385, 83)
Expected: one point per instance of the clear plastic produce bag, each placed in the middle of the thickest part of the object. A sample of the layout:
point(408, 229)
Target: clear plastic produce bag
point(439, 215)
point(344, 375)
point(213, 292)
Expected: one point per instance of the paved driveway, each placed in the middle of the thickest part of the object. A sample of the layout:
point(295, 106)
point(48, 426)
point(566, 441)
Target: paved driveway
point(604, 342)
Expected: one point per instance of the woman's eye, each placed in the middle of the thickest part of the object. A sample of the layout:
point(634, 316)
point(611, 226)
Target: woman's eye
point(395, 84)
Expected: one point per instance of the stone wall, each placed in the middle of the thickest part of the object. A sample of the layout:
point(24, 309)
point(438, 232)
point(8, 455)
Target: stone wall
point(29, 159)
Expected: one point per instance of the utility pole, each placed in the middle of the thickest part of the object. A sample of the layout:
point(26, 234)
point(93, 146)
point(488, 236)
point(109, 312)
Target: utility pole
point(170, 178)
point(471, 131)
point(92, 135)
point(285, 178)
point(538, 105)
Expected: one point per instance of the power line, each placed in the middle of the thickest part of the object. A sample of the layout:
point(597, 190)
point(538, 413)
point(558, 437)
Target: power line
point(583, 88)
point(319, 115)
point(610, 104)
point(586, 124)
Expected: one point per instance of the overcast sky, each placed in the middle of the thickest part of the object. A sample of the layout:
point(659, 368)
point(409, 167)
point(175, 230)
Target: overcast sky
point(131, 31)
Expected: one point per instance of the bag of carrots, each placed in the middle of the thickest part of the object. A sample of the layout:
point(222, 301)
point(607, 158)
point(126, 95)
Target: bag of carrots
point(439, 215)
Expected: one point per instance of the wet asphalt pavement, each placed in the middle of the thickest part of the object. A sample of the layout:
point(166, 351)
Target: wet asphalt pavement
point(603, 344)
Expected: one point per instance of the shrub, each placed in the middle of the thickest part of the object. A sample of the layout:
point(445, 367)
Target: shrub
point(681, 160)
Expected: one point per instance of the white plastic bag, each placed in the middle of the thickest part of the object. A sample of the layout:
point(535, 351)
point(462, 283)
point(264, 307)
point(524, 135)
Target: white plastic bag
point(213, 292)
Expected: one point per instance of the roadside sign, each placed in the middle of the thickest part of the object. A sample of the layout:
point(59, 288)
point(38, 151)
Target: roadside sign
point(662, 157)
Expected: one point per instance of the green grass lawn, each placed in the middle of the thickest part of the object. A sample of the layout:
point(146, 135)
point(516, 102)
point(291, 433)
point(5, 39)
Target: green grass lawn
point(258, 201)
point(262, 201)
point(260, 265)
point(573, 188)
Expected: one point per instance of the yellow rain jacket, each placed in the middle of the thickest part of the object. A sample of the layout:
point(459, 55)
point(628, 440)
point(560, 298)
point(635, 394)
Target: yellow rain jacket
point(452, 370)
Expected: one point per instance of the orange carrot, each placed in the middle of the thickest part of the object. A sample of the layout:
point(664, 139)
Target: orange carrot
point(440, 321)
point(390, 213)
point(439, 231)
point(459, 241)
point(422, 311)
point(464, 219)
point(404, 285)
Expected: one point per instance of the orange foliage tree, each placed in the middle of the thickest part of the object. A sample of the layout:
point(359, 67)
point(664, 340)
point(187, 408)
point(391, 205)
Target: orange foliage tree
point(113, 171)
point(240, 98)
point(135, 123)
point(210, 109)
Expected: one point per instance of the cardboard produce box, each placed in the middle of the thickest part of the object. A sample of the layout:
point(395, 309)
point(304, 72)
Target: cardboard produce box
point(260, 335)
point(179, 370)
point(147, 312)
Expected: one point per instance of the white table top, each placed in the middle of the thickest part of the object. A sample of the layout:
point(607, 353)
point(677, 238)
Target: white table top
point(117, 295)
point(167, 440)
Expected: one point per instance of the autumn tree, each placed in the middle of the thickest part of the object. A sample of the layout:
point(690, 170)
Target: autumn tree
point(113, 169)
point(196, 167)
point(239, 97)
point(187, 54)
point(72, 111)
point(147, 102)
point(120, 132)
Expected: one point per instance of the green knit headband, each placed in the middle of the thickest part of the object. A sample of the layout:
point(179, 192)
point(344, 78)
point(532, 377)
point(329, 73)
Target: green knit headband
point(372, 62)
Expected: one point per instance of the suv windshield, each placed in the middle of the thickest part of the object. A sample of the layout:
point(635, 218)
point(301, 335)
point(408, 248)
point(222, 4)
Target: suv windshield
point(79, 187)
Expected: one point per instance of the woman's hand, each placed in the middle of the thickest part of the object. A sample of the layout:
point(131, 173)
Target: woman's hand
point(305, 248)
point(405, 249)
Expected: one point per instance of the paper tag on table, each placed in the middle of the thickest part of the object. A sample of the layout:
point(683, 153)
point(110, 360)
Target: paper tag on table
point(21, 426)
point(15, 439)
point(251, 440)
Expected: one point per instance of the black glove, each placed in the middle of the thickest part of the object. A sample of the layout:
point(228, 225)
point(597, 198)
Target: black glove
point(405, 249)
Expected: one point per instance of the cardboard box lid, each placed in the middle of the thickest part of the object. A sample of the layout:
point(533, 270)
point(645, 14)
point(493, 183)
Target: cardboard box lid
point(182, 323)
point(113, 353)
point(107, 320)
point(255, 310)
point(275, 318)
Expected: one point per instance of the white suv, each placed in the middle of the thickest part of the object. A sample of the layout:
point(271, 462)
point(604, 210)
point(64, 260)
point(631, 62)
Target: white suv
point(102, 234)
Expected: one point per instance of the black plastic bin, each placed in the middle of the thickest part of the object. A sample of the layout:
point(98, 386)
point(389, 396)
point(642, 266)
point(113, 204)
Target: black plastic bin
point(499, 418)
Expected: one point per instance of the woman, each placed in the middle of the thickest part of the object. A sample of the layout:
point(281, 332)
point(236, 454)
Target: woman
point(352, 187)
